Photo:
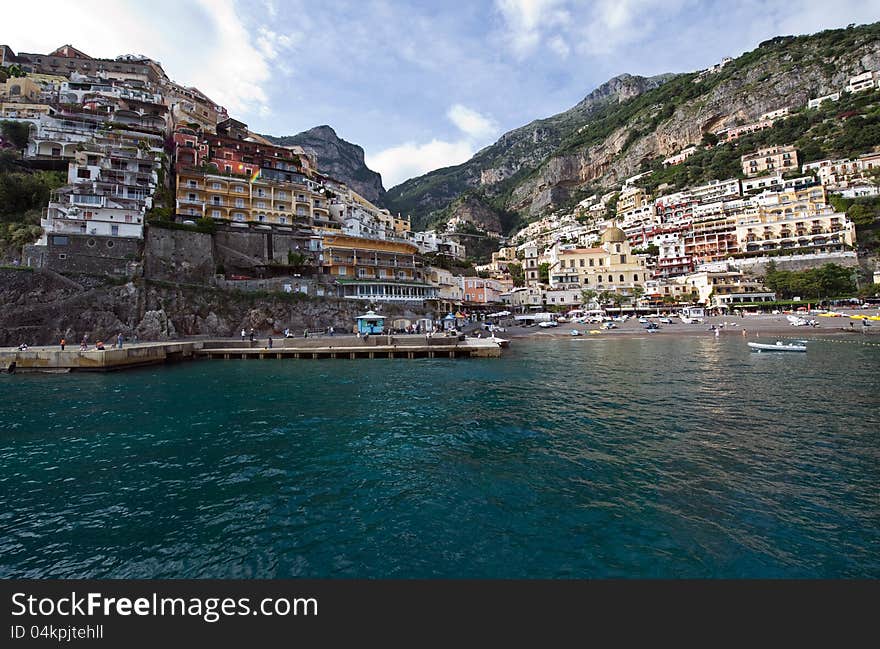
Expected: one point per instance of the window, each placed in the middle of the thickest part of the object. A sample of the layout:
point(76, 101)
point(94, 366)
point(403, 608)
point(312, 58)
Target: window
point(261, 218)
point(192, 184)
point(59, 241)
point(114, 232)
point(215, 185)
point(601, 261)
point(239, 216)
point(622, 259)
point(238, 189)
point(582, 263)
point(192, 196)
point(621, 279)
point(239, 202)
point(281, 219)
point(90, 243)
point(617, 247)
point(591, 262)
point(215, 214)
point(228, 168)
point(635, 278)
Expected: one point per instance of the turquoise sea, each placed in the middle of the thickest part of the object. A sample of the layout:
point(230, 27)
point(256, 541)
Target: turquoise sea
point(644, 457)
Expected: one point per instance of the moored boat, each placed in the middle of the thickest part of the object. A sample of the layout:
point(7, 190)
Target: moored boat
point(778, 347)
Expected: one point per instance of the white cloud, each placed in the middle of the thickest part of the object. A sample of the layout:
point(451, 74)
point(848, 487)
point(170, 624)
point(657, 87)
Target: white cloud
point(560, 46)
point(527, 20)
point(471, 123)
point(410, 159)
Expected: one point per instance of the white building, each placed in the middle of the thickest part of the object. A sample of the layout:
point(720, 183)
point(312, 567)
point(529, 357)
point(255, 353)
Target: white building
point(815, 103)
point(860, 82)
point(680, 157)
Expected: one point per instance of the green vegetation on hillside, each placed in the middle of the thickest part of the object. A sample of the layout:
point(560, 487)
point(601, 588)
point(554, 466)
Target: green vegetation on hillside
point(827, 281)
point(839, 129)
point(843, 129)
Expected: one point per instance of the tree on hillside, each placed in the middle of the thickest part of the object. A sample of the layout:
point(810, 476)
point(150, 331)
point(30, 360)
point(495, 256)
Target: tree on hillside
point(517, 275)
point(588, 295)
point(544, 273)
point(637, 294)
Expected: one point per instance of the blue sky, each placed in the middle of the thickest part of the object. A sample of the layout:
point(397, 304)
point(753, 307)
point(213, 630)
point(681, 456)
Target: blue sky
point(419, 85)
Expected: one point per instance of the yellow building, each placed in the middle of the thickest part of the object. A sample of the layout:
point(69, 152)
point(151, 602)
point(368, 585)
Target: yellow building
point(809, 228)
point(610, 267)
point(770, 160)
point(397, 223)
point(631, 198)
point(236, 198)
point(24, 111)
point(20, 89)
point(378, 270)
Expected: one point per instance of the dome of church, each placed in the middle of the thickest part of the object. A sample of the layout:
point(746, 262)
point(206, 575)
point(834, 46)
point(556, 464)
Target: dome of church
point(613, 235)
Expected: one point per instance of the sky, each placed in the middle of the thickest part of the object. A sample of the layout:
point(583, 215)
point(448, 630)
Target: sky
point(419, 84)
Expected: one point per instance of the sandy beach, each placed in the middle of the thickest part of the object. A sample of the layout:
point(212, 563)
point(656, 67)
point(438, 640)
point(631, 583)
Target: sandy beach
point(753, 327)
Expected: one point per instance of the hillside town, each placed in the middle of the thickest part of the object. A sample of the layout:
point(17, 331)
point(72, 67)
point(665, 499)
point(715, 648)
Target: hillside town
point(153, 168)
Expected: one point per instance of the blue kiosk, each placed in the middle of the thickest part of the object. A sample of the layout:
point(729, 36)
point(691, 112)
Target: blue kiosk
point(370, 323)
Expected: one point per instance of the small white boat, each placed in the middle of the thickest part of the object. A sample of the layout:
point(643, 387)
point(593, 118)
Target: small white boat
point(778, 347)
point(575, 332)
point(501, 342)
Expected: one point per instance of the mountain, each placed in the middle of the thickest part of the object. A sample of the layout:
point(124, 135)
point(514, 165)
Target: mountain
point(513, 156)
point(337, 158)
point(630, 124)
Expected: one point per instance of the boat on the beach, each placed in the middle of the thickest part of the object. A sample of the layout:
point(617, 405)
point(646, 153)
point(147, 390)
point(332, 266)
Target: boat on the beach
point(501, 342)
point(778, 347)
point(575, 332)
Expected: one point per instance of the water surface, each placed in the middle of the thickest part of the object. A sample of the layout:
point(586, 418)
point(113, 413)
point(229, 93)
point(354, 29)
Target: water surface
point(646, 457)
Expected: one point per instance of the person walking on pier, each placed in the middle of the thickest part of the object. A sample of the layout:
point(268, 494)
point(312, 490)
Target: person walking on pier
point(243, 334)
point(252, 334)
point(270, 342)
point(84, 345)
point(119, 340)
point(63, 343)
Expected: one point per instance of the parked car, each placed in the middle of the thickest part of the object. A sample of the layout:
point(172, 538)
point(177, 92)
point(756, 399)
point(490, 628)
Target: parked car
point(643, 320)
point(609, 325)
point(666, 320)
point(652, 326)
point(549, 323)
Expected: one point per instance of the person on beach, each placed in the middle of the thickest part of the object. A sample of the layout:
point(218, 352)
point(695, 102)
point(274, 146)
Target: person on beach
point(63, 343)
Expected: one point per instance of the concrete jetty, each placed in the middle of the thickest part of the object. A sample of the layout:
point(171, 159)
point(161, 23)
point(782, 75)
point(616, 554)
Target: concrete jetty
point(52, 359)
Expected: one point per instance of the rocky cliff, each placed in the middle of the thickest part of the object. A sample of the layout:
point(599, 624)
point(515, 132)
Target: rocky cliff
point(40, 308)
point(515, 155)
point(630, 123)
point(340, 159)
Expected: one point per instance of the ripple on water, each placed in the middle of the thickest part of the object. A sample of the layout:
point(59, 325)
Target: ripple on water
point(566, 458)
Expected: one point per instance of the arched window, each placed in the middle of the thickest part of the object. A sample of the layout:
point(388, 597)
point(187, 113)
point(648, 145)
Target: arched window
point(621, 278)
point(635, 277)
